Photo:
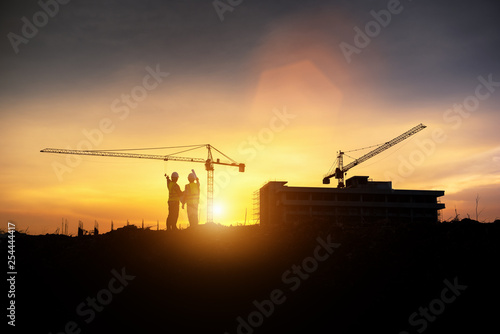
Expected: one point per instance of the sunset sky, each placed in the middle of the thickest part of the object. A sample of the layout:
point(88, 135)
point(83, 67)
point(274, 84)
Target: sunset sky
point(278, 85)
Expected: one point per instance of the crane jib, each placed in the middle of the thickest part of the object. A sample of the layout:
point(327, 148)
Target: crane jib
point(122, 155)
point(209, 164)
point(341, 169)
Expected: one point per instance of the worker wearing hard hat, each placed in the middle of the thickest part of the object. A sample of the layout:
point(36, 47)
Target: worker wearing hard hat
point(174, 197)
point(192, 198)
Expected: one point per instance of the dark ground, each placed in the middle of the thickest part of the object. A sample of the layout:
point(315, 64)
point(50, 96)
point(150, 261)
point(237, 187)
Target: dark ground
point(201, 281)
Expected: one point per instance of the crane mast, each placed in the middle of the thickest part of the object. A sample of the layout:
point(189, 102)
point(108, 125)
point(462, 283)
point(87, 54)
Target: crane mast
point(209, 165)
point(341, 170)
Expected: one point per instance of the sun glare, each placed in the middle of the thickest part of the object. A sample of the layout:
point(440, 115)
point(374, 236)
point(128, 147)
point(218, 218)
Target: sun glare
point(218, 210)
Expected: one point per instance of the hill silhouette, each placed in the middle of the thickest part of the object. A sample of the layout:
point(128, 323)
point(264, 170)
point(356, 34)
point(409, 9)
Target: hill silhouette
point(310, 278)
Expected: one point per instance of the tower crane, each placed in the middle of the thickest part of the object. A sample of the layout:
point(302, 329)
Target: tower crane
point(341, 170)
point(209, 164)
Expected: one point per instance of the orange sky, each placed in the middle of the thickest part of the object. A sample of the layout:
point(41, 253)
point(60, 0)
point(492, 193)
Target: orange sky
point(294, 103)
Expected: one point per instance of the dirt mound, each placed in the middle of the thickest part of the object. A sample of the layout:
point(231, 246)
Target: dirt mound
point(313, 278)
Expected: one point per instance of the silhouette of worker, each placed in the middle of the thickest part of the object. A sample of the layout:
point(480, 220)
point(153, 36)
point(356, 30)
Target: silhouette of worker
point(192, 198)
point(174, 196)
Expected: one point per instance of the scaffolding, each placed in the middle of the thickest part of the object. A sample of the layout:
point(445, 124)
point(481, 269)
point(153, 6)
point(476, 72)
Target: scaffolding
point(256, 207)
point(64, 227)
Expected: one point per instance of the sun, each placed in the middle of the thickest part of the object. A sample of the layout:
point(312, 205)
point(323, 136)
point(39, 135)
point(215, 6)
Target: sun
point(219, 210)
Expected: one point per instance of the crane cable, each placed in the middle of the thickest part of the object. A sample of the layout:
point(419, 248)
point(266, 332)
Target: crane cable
point(186, 150)
point(335, 163)
point(192, 147)
point(149, 148)
point(364, 148)
point(332, 168)
point(224, 155)
point(388, 155)
point(350, 156)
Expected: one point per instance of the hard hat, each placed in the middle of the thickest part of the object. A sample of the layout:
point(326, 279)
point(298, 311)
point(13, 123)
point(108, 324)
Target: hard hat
point(174, 174)
point(191, 176)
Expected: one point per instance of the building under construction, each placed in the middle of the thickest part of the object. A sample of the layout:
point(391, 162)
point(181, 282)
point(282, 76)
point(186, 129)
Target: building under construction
point(357, 200)
point(360, 201)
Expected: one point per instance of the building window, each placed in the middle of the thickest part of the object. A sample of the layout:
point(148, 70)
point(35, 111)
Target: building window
point(373, 197)
point(318, 197)
point(425, 199)
point(399, 198)
point(297, 196)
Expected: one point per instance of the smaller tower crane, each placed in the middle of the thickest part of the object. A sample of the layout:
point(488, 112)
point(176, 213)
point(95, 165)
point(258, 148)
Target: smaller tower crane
point(209, 164)
point(341, 170)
